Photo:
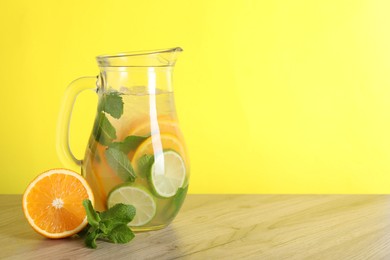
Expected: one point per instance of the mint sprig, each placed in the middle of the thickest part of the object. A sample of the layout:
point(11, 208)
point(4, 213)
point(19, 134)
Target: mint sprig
point(110, 225)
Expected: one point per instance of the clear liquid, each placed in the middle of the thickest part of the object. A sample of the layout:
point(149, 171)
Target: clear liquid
point(153, 116)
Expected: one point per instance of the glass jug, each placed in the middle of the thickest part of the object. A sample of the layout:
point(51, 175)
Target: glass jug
point(136, 152)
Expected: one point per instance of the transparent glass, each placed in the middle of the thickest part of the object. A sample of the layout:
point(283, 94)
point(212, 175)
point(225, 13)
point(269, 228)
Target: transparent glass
point(136, 152)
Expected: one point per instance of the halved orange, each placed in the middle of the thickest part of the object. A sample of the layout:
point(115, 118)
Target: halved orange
point(52, 203)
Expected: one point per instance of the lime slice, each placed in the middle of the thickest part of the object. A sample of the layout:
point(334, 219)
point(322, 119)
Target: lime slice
point(141, 199)
point(167, 173)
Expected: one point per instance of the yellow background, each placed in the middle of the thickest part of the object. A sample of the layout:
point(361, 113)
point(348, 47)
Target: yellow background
point(273, 96)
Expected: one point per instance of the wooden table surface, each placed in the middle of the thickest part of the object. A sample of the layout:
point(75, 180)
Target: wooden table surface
point(229, 227)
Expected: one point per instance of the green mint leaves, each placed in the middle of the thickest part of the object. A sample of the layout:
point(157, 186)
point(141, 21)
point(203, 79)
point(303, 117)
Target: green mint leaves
point(110, 225)
point(103, 131)
point(120, 163)
point(121, 234)
point(119, 213)
point(92, 216)
point(112, 104)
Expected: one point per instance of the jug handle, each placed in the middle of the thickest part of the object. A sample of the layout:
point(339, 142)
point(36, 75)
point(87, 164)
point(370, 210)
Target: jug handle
point(62, 143)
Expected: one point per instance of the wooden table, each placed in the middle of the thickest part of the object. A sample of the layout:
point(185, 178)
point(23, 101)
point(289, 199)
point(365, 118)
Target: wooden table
point(229, 227)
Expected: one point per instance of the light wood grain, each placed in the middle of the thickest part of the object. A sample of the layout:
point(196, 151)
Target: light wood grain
point(229, 227)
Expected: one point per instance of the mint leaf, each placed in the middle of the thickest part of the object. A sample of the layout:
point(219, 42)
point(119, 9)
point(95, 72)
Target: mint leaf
point(92, 216)
point(129, 143)
point(119, 213)
point(90, 240)
point(121, 234)
point(112, 103)
point(120, 163)
point(110, 224)
point(103, 131)
point(144, 164)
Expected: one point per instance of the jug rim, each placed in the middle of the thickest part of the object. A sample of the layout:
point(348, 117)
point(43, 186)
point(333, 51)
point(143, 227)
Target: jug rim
point(138, 53)
point(147, 58)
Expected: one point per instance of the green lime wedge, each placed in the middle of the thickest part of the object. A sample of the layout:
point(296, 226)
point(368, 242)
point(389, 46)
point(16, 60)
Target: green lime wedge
point(167, 173)
point(141, 199)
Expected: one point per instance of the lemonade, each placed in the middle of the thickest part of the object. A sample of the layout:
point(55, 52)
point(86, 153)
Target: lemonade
point(136, 155)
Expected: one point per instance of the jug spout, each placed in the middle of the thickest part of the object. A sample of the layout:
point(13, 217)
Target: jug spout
point(153, 58)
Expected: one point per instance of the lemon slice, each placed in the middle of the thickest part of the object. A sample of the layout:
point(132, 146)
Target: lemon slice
point(167, 173)
point(141, 199)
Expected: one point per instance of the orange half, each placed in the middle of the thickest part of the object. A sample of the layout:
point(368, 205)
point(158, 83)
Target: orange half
point(52, 203)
